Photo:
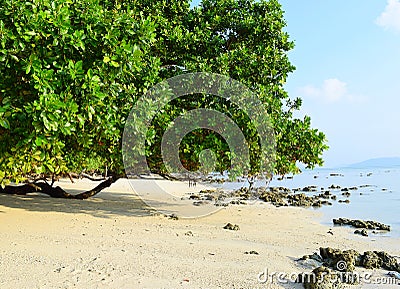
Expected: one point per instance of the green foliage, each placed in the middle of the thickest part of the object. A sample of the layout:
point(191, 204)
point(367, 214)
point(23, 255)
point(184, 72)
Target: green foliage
point(71, 70)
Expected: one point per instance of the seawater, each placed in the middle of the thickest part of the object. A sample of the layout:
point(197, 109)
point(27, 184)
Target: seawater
point(377, 197)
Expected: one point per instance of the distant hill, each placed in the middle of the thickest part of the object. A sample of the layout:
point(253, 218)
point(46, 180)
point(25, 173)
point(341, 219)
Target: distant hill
point(378, 163)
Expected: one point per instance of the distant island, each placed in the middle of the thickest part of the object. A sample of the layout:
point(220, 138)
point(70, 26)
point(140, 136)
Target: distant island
point(378, 163)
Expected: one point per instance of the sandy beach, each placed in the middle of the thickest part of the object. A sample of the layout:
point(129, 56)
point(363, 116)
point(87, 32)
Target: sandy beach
point(114, 240)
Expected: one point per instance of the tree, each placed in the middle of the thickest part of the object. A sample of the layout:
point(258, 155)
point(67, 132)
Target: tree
point(71, 70)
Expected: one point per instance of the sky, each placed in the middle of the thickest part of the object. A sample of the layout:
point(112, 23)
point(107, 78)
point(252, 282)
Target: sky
point(347, 58)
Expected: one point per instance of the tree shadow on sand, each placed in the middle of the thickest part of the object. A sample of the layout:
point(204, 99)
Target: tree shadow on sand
point(104, 205)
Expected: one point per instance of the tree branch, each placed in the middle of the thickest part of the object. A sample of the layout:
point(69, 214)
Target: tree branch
point(55, 192)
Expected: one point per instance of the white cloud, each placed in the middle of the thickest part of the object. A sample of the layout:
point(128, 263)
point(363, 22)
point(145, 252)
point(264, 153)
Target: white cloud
point(332, 90)
point(390, 18)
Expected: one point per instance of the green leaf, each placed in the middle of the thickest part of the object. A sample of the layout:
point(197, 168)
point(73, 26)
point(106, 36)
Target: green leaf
point(114, 63)
point(5, 123)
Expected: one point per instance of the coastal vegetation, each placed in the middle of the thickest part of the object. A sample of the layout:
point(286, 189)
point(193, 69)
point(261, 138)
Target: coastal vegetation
point(71, 71)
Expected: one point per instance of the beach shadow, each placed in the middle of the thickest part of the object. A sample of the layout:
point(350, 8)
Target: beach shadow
point(104, 205)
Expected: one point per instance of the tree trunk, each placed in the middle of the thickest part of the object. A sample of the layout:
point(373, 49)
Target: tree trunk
point(55, 192)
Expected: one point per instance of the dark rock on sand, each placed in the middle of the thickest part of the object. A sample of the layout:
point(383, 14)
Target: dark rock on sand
point(320, 278)
point(232, 227)
point(360, 224)
point(237, 202)
point(362, 232)
point(273, 197)
point(371, 260)
point(340, 260)
point(173, 217)
point(379, 259)
point(252, 252)
point(388, 262)
point(279, 196)
point(300, 200)
point(346, 261)
point(200, 203)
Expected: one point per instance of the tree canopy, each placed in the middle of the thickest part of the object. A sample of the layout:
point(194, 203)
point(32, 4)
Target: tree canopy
point(71, 71)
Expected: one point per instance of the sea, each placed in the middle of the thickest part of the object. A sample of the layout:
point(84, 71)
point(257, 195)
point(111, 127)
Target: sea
point(377, 196)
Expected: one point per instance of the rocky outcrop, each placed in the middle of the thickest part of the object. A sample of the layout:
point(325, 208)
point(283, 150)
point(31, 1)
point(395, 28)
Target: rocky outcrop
point(346, 261)
point(360, 224)
point(320, 278)
point(337, 267)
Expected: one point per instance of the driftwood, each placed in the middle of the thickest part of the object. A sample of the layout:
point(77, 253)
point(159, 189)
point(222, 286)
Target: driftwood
point(41, 186)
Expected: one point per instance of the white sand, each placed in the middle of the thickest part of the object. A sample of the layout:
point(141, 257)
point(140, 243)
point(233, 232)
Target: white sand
point(116, 241)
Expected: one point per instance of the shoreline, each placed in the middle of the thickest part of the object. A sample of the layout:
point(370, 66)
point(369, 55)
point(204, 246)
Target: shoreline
point(115, 240)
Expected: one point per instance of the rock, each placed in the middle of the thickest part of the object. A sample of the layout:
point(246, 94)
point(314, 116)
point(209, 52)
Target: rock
point(345, 261)
point(325, 195)
point(209, 197)
point(388, 262)
point(370, 260)
point(276, 199)
point(362, 232)
point(346, 194)
point(336, 175)
point(232, 227)
point(317, 204)
point(359, 224)
point(333, 187)
point(252, 252)
point(314, 256)
point(300, 200)
point(173, 217)
point(320, 278)
point(200, 203)
point(189, 233)
point(310, 189)
point(280, 196)
point(344, 201)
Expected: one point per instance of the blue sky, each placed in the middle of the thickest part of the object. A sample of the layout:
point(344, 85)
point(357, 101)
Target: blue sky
point(347, 57)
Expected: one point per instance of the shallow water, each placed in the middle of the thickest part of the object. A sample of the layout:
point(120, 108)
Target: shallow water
point(380, 201)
